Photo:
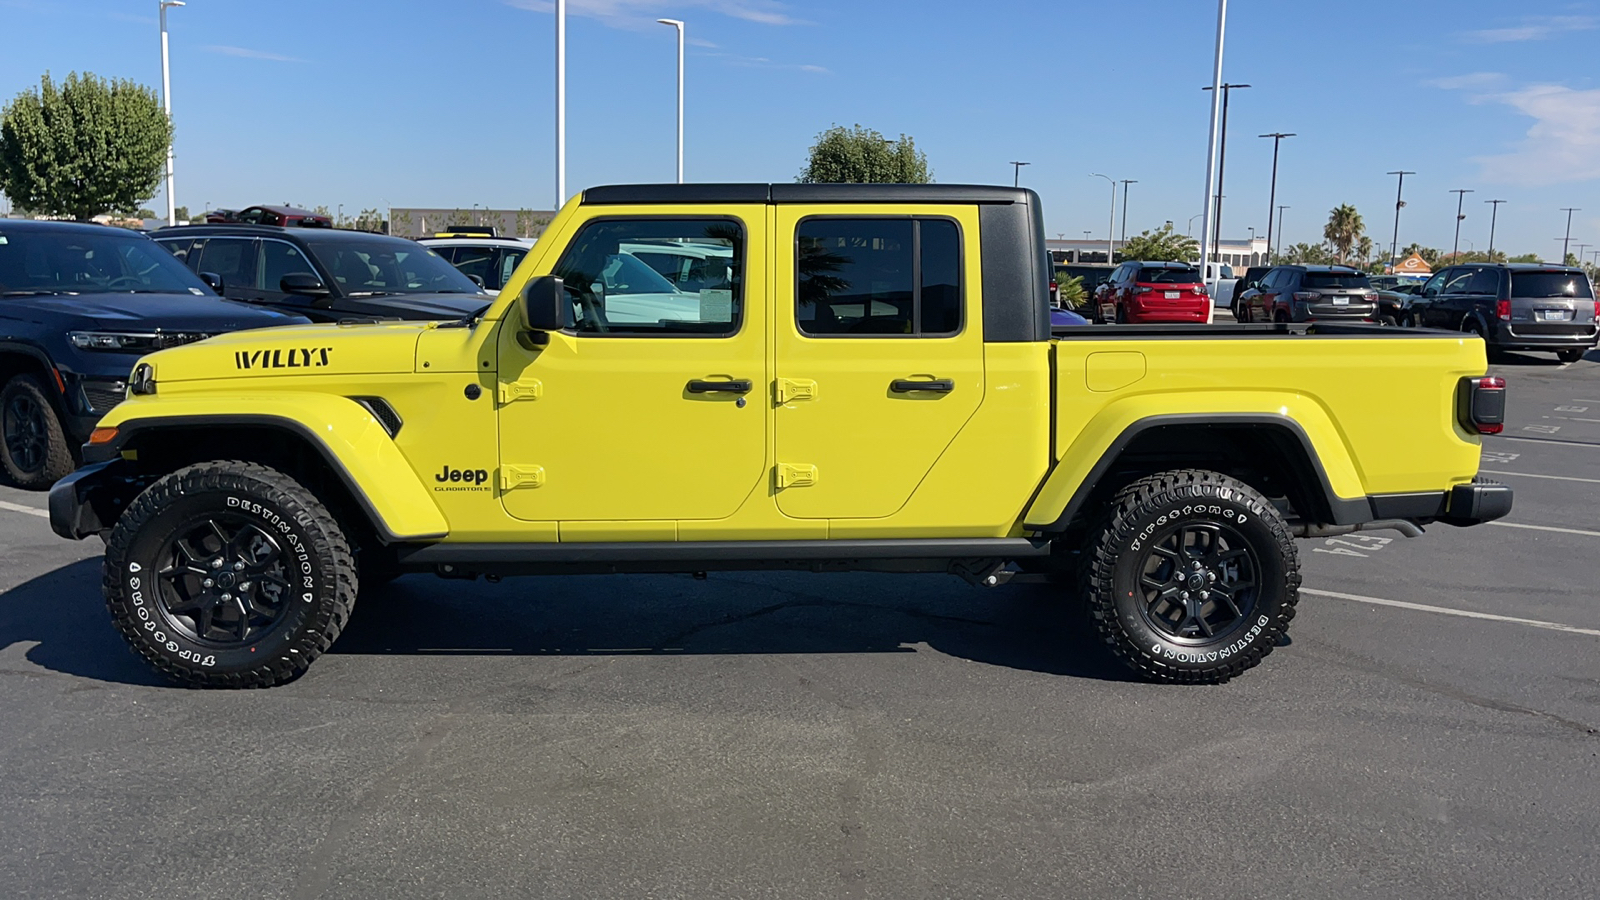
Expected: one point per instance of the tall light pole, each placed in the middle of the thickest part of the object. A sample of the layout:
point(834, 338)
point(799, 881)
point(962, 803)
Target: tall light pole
point(1111, 227)
point(561, 103)
point(1189, 229)
point(1280, 231)
point(1272, 196)
point(1569, 210)
point(1494, 213)
point(1211, 134)
point(1016, 172)
point(1394, 243)
point(1461, 194)
point(1125, 183)
point(1222, 164)
point(678, 25)
point(166, 106)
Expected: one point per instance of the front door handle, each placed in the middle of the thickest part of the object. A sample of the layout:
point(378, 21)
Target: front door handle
point(699, 386)
point(937, 386)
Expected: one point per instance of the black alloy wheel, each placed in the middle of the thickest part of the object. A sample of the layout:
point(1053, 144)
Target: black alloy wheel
point(1199, 582)
point(224, 582)
point(24, 425)
point(33, 446)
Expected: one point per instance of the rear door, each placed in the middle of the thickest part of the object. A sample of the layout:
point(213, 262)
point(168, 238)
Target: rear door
point(1458, 298)
point(879, 354)
point(1550, 296)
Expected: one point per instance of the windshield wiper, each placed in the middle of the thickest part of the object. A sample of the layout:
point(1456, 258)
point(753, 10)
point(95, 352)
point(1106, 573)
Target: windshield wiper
point(34, 293)
point(373, 294)
point(467, 320)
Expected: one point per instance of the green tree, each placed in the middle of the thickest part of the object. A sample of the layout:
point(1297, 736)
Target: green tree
point(859, 155)
point(1161, 245)
point(1526, 258)
point(181, 213)
point(1429, 254)
point(84, 147)
point(369, 220)
point(1343, 231)
point(1073, 296)
point(1306, 254)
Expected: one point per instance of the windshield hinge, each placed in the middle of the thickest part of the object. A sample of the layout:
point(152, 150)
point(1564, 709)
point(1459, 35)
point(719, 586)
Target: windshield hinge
point(513, 477)
point(512, 391)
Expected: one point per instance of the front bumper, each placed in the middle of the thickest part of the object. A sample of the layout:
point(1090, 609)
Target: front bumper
point(89, 500)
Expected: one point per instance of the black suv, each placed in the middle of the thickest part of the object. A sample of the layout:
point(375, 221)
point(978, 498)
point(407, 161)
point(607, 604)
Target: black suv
point(1513, 306)
point(79, 304)
point(1309, 294)
point(326, 274)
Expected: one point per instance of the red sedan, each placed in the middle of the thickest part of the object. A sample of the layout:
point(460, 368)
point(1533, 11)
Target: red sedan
point(1143, 292)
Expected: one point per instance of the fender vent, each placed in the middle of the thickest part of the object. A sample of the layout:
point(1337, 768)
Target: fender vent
point(383, 412)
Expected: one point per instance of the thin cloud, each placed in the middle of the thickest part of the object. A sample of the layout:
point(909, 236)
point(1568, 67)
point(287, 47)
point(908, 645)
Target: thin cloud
point(1470, 80)
point(633, 13)
point(247, 53)
point(1563, 144)
point(761, 62)
point(1533, 28)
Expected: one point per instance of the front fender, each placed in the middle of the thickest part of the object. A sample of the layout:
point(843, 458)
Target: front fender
point(353, 444)
point(1096, 446)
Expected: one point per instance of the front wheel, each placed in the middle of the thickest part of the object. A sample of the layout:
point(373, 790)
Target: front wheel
point(34, 453)
point(1570, 356)
point(228, 574)
point(1192, 577)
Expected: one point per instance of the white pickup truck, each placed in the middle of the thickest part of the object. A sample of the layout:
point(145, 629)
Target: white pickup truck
point(1220, 282)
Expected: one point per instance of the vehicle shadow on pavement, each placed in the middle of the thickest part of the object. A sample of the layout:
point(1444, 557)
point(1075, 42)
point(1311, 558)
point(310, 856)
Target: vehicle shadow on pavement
point(62, 613)
point(1032, 627)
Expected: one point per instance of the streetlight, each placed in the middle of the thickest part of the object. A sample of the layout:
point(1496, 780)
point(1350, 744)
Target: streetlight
point(1222, 158)
point(1394, 243)
point(1211, 133)
point(1111, 227)
point(1272, 197)
point(1280, 231)
point(166, 106)
point(675, 23)
point(1125, 183)
point(561, 103)
point(1494, 212)
point(1461, 194)
point(1189, 229)
point(1569, 210)
point(1016, 172)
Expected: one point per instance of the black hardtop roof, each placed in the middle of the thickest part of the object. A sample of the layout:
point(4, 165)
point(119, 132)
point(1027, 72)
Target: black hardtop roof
point(621, 194)
point(245, 228)
point(57, 225)
point(1516, 267)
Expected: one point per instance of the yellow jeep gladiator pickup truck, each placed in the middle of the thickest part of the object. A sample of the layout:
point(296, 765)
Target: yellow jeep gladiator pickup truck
point(683, 378)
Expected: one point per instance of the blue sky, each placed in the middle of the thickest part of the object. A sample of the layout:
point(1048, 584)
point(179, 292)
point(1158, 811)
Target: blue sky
point(370, 103)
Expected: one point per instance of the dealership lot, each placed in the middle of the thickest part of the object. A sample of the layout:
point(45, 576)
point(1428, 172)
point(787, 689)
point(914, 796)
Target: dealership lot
point(1431, 731)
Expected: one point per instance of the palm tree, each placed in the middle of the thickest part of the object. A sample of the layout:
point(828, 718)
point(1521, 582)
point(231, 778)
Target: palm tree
point(1364, 250)
point(1344, 230)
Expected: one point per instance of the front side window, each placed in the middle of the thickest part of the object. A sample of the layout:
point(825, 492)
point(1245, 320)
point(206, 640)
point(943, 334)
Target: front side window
point(279, 259)
point(860, 276)
point(232, 258)
point(1458, 281)
point(509, 259)
point(615, 292)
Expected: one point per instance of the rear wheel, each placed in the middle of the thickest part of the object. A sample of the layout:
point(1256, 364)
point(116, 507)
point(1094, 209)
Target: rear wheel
point(1388, 320)
point(1280, 316)
point(1192, 577)
point(228, 574)
point(34, 451)
point(1571, 356)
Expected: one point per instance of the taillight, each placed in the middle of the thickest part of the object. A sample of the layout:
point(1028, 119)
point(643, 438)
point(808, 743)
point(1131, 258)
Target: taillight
point(1307, 296)
point(1481, 404)
point(1597, 310)
point(1146, 290)
point(1201, 290)
point(1503, 310)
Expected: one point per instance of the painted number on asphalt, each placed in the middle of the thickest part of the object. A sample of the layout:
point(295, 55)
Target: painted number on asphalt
point(1362, 545)
point(1499, 456)
point(1572, 409)
point(1542, 429)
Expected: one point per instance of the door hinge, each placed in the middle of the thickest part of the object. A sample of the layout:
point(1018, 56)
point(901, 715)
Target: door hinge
point(512, 391)
point(513, 477)
point(795, 389)
point(788, 475)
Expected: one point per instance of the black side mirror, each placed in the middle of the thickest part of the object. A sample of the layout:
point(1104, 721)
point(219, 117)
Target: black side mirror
point(214, 280)
point(476, 279)
point(305, 284)
point(544, 305)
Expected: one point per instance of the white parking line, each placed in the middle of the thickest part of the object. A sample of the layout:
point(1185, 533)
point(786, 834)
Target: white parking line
point(1464, 613)
point(18, 507)
point(1529, 440)
point(1546, 528)
point(1550, 477)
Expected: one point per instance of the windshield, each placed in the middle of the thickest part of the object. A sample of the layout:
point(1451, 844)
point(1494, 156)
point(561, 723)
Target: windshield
point(389, 266)
point(1168, 276)
point(1550, 284)
point(80, 261)
point(1326, 280)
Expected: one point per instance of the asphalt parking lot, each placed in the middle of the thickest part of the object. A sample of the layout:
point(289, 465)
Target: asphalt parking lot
point(1431, 731)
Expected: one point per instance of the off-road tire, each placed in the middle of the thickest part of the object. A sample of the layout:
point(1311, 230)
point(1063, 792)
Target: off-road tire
point(305, 589)
point(1571, 356)
point(48, 440)
point(1139, 525)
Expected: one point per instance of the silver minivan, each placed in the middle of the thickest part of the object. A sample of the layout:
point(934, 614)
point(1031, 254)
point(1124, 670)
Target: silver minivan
point(1513, 306)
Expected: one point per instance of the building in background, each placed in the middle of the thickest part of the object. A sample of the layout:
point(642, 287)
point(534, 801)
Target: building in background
point(417, 222)
point(1239, 254)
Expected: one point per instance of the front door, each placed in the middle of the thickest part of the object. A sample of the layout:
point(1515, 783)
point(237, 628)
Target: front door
point(648, 407)
point(879, 350)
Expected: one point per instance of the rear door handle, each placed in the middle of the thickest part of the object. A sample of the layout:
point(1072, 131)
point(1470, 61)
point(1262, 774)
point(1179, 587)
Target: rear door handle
point(937, 386)
point(698, 386)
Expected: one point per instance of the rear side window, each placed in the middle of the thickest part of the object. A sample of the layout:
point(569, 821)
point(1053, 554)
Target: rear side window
point(1325, 280)
point(1168, 276)
point(179, 248)
point(861, 276)
point(1551, 284)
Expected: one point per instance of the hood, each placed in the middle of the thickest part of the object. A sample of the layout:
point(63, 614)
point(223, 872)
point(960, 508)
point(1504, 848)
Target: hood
point(362, 349)
point(206, 313)
point(419, 306)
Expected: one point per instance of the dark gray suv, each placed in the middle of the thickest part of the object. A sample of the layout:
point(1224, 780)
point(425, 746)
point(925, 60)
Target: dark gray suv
point(1512, 306)
point(1310, 293)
